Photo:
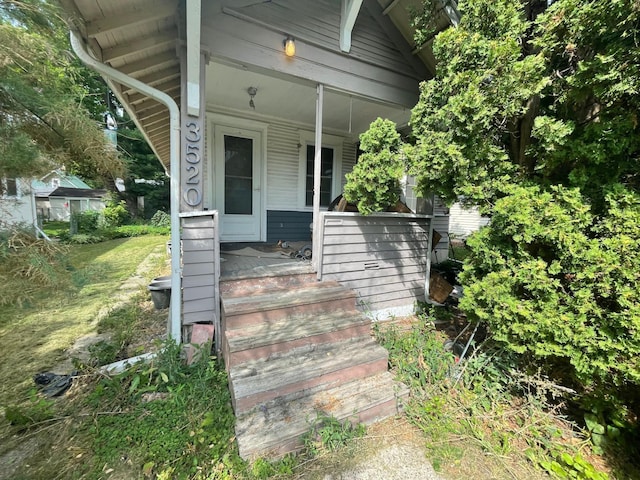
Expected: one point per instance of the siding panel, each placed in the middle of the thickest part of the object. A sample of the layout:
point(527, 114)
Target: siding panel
point(289, 226)
point(382, 257)
point(282, 166)
point(465, 221)
point(201, 270)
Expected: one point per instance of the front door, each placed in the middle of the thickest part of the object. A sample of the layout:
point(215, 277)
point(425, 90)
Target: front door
point(237, 183)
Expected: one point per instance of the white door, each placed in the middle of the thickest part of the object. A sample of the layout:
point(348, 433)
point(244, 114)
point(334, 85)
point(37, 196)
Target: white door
point(237, 183)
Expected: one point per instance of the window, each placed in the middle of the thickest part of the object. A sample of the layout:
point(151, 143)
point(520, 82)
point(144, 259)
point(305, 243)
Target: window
point(9, 187)
point(55, 182)
point(326, 176)
point(331, 177)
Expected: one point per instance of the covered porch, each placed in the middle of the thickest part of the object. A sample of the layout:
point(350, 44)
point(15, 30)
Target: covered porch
point(257, 140)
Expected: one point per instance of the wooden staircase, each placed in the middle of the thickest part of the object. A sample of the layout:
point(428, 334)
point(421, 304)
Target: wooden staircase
point(296, 349)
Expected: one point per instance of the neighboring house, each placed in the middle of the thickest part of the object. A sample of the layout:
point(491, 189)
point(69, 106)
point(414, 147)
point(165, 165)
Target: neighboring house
point(64, 202)
point(255, 108)
point(17, 203)
point(463, 221)
point(59, 194)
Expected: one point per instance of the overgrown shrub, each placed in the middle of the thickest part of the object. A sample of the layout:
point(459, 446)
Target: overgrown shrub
point(115, 214)
point(161, 219)
point(560, 285)
point(374, 183)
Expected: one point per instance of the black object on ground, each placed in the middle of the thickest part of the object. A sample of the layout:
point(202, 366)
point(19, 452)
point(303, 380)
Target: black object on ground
point(52, 384)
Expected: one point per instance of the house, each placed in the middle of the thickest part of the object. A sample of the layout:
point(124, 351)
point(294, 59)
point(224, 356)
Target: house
point(17, 203)
point(59, 194)
point(255, 108)
point(463, 221)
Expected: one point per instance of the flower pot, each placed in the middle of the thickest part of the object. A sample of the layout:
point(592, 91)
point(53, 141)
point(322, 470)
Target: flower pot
point(160, 289)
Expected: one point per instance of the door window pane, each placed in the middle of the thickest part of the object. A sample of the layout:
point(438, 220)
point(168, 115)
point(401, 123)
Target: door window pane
point(326, 175)
point(238, 175)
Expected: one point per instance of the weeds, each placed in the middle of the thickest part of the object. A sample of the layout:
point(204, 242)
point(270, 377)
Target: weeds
point(170, 419)
point(484, 402)
point(327, 433)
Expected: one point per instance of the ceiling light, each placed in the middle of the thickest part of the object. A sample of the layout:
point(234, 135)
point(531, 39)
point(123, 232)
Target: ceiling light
point(289, 46)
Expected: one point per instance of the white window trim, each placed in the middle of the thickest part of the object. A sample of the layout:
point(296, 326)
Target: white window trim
point(218, 120)
point(4, 188)
point(328, 141)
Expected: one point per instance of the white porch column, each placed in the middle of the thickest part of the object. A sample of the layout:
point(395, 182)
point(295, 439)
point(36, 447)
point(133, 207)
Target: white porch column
point(192, 70)
point(317, 163)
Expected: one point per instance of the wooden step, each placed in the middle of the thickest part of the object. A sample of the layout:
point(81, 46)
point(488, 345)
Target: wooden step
point(256, 382)
point(276, 427)
point(271, 337)
point(247, 286)
point(239, 312)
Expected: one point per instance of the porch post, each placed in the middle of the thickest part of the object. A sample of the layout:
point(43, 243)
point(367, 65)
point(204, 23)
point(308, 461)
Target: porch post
point(317, 163)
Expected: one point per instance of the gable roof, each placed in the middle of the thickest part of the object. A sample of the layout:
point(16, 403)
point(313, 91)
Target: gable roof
point(78, 193)
point(66, 180)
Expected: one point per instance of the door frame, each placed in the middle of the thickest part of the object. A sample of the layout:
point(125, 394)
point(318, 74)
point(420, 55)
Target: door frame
point(216, 121)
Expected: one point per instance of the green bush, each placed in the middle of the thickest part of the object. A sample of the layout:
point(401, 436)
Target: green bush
point(86, 221)
point(374, 183)
point(161, 219)
point(559, 285)
point(115, 214)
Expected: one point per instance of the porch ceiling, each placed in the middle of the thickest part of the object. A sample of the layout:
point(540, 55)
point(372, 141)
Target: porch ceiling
point(138, 38)
point(294, 101)
point(141, 37)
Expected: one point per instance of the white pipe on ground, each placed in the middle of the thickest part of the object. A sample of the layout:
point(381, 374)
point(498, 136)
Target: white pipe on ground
point(174, 115)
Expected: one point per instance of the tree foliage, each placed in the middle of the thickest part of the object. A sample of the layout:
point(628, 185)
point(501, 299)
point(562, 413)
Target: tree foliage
point(142, 163)
point(533, 117)
point(46, 97)
point(374, 182)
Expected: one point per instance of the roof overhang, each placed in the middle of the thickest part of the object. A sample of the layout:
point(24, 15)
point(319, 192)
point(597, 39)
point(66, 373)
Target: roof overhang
point(144, 39)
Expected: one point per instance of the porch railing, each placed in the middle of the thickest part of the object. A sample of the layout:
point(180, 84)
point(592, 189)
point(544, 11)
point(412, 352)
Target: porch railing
point(383, 257)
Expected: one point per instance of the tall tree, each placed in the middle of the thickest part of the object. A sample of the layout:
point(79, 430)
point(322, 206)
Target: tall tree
point(535, 120)
point(44, 95)
point(143, 166)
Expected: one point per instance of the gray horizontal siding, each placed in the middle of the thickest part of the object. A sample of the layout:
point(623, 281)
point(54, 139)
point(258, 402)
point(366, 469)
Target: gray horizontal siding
point(319, 22)
point(289, 226)
point(200, 270)
point(465, 221)
point(382, 257)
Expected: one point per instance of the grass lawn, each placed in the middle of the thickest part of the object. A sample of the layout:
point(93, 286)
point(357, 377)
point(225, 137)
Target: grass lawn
point(55, 228)
point(34, 338)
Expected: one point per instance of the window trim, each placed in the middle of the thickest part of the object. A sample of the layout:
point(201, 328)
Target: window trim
point(328, 141)
point(5, 187)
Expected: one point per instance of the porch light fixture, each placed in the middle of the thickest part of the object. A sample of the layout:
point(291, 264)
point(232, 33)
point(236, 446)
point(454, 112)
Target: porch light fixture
point(252, 93)
point(289, 45)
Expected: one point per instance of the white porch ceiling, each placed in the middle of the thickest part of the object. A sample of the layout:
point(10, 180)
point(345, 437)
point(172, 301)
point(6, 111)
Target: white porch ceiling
point(293, 101)
point(140, 38)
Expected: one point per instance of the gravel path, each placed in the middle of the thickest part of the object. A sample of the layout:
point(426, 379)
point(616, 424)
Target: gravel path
point(393, 462)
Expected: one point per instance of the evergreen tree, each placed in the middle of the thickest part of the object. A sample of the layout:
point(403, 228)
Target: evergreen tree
point(535, 120)
point(49, 103)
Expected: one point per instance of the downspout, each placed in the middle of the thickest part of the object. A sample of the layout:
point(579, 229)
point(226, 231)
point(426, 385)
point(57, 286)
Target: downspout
point(175, 314)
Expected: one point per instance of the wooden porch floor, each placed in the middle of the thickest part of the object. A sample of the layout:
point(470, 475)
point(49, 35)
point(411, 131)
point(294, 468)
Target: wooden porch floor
point(248, 260)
